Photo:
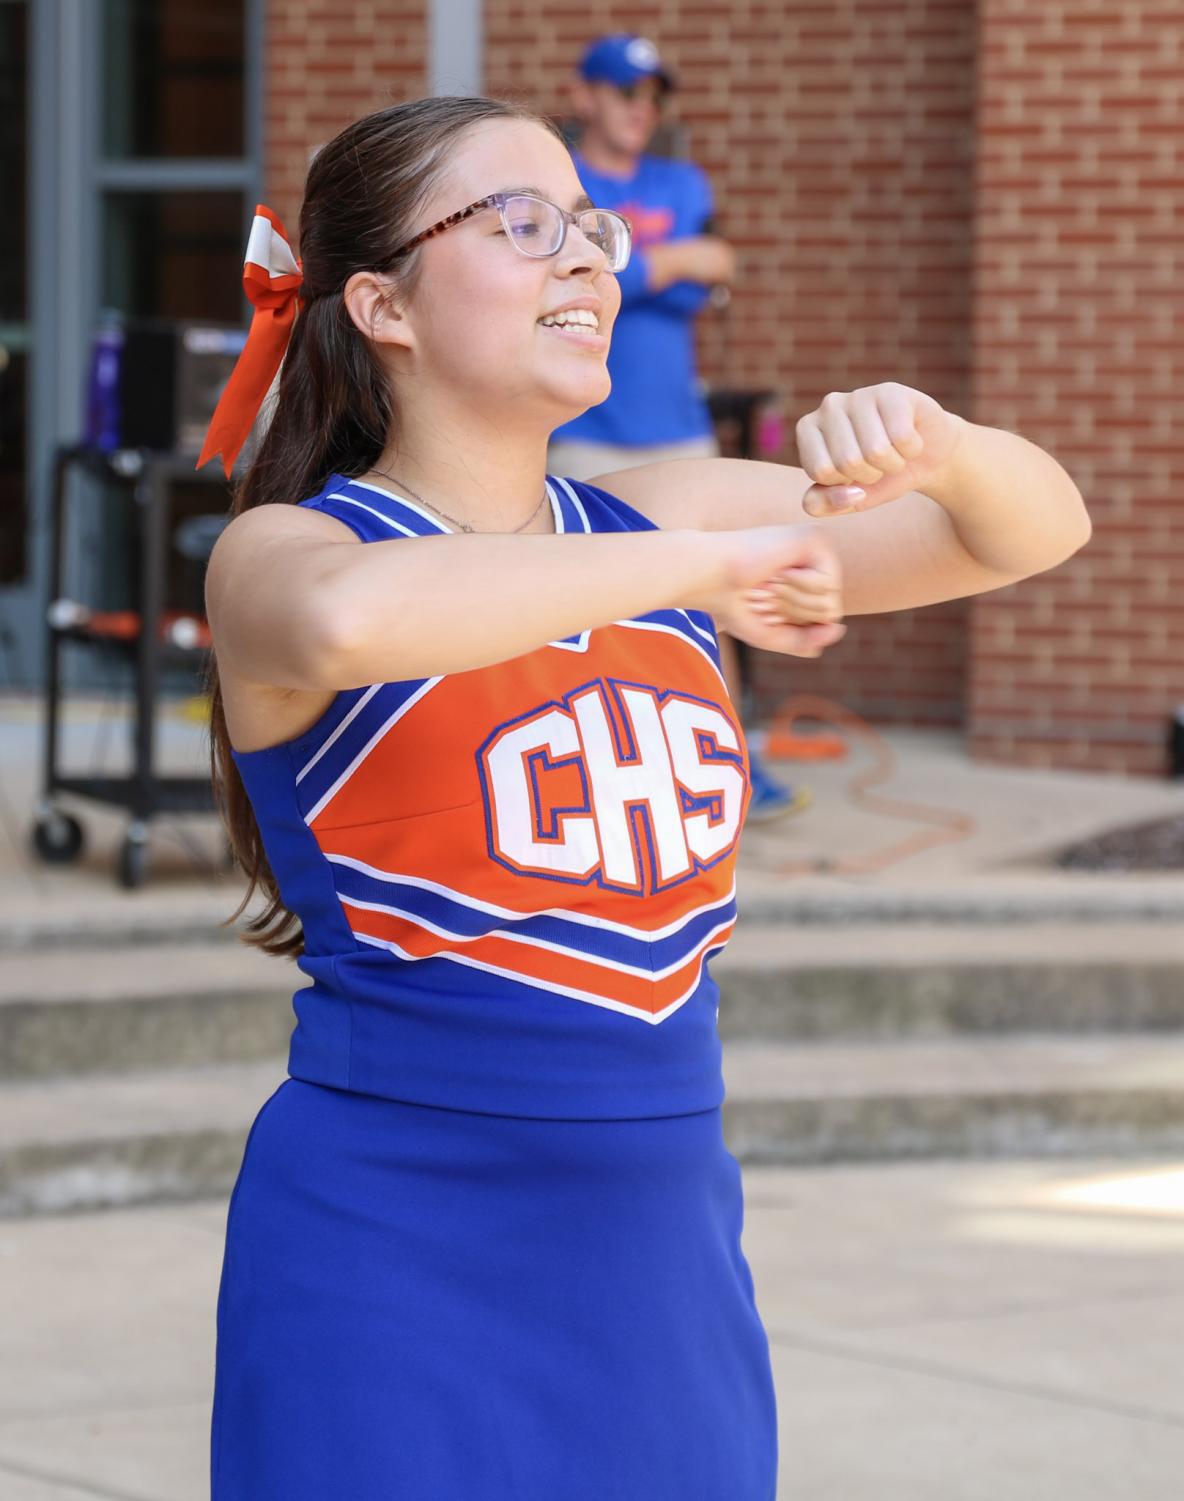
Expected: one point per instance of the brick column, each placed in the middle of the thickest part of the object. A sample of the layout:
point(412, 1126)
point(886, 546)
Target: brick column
point(1078, 344)
point(327, 62)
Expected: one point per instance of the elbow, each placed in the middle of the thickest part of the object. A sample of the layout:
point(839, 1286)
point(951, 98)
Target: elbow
point(347, 650)
point(329, 650)
point(1083, 529)
point(1073, 527)
point(1068, 545)
point(1059, 542)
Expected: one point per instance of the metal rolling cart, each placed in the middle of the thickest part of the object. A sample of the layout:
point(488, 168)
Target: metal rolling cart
point(147, 477)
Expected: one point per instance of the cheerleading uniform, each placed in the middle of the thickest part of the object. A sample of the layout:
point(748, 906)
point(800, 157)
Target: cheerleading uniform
point(484, 1244)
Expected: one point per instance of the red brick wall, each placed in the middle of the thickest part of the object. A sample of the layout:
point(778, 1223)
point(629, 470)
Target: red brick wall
point(1079, 343)
point(327, 62)
point(1021, 264)
point(838, 137)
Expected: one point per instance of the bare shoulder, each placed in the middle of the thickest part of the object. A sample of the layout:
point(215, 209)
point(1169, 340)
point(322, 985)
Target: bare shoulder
point(258, 612)
point(710, 494)
point(277, 526)
point(262, 534)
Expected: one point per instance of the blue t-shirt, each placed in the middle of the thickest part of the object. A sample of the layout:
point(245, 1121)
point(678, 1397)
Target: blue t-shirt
point(655, 396)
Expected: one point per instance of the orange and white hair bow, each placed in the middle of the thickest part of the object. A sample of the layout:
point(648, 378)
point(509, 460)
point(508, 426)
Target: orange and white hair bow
point(272, 278)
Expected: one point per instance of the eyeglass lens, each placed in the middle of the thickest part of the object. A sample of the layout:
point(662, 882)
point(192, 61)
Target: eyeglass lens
point(537, 228)
point(644, 89)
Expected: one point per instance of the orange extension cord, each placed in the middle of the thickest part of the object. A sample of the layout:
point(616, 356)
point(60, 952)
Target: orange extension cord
point(948, 826)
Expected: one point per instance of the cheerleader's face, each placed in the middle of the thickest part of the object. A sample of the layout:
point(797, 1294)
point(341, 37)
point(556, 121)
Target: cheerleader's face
point(473, 324)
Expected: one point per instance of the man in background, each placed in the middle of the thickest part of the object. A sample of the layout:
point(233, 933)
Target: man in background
point(657, 409)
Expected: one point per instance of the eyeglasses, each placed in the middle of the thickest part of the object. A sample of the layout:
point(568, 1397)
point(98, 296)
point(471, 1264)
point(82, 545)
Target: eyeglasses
point(538, 227)
point(651, 92)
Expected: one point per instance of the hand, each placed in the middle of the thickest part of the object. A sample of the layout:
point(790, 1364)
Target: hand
point(800, 596)
point(782, 590)
point(864, 448)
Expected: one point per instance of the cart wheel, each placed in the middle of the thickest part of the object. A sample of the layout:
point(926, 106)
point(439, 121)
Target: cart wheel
point(133, 863)
point(58, 838)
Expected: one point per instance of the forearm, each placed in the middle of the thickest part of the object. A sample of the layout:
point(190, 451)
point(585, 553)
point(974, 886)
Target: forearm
point(449, 604)
point(1014, 508)
point(665, 266)
point(697, 261)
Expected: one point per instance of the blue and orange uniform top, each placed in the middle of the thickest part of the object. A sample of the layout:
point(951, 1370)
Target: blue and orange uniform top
point(511, 880)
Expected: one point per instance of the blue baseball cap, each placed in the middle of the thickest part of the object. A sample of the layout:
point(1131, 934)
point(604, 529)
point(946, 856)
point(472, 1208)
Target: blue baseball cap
point(623, 59)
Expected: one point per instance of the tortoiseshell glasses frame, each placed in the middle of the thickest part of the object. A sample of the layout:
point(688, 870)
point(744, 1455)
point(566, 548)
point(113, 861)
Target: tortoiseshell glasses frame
point(612, 233)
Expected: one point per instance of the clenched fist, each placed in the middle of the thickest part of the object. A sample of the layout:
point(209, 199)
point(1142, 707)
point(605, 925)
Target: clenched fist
point(861, 449)
point(864, 448)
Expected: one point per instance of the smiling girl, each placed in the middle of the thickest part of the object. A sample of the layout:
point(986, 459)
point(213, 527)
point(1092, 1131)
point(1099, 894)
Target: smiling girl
point(472, 742)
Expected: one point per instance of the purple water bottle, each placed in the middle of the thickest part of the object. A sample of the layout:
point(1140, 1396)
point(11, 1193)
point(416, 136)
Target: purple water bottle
point(103, 424)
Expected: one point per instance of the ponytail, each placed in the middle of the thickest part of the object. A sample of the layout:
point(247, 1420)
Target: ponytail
point(334, 411)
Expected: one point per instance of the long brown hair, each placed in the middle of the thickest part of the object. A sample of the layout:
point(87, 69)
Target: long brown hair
point(334, 411)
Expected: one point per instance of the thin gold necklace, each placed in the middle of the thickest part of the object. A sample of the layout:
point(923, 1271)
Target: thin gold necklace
point(464, 525)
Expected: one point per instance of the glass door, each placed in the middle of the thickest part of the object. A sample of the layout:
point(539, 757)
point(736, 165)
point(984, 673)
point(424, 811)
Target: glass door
point(175, 177)
point(14, 302)
point(130, 157)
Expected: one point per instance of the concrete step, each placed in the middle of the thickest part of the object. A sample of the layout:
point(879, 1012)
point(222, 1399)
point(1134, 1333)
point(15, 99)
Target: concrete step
point(984, 1097)
point(874, 981)
point(178, 1134)
point(1014, 896)
point(96, 1010)
point(78, 1011)
point(143, 1138)
point(108, 917)
point(105, 916)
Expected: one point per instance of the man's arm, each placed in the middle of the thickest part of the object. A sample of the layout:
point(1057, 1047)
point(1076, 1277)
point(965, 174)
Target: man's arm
point(678, 274)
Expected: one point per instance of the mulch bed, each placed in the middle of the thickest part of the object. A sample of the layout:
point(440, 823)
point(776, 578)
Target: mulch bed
point(1158, 845)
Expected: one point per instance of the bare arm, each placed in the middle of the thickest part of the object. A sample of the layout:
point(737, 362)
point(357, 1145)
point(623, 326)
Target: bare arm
point(998, 509)
point(700, 258)
point(296, 601)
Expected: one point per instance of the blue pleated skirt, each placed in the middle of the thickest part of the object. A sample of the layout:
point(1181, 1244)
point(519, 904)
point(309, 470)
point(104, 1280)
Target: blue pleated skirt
point(420, 1304)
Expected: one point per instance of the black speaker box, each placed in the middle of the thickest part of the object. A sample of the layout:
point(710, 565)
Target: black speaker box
point(171, 376)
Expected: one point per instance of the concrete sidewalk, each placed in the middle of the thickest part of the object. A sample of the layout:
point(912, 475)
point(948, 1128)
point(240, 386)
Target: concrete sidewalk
point(965, 1332)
